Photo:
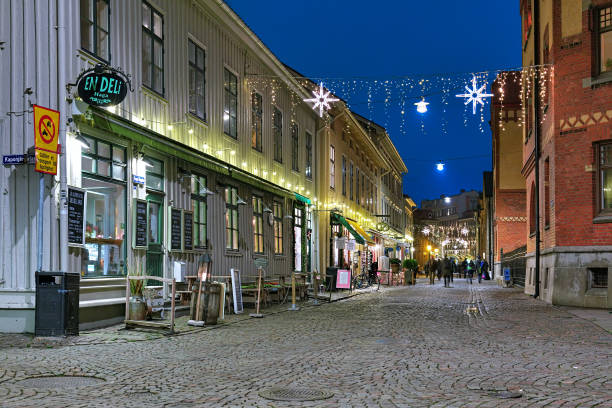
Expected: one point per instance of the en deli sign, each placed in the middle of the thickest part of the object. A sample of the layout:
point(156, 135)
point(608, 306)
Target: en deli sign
point(103, 86)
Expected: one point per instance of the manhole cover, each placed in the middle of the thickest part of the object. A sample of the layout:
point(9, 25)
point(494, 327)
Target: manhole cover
point(506, 394)
point(59, 382)
point(295, 394)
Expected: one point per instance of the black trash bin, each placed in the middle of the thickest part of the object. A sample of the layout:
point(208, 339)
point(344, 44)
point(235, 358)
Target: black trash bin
point(57, 304)
point(331, 273)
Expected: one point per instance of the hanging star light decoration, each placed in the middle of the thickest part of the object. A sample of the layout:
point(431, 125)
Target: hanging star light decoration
point(321, 100)
point(475, 95)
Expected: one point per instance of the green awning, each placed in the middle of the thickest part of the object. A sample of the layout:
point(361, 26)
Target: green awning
point(338, 219)
point(303, 199)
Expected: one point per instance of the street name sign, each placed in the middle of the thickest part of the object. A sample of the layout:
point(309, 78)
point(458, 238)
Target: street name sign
point(10, 159)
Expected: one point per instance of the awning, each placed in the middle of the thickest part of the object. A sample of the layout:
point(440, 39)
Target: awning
point(368, 239)
point(303, 199)
point(338, 219)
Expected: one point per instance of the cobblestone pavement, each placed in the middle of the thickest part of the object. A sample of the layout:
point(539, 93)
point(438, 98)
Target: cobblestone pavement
point(416, 346)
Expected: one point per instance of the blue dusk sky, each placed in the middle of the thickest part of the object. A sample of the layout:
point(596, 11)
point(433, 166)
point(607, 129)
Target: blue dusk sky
point(382, 57)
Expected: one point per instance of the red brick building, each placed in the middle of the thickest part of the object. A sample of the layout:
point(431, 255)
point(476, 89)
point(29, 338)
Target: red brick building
point(570, 107)
point(509, 196)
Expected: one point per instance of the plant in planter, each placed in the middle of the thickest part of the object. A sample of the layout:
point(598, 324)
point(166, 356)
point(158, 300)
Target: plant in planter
point(395, 264)
point(410, 266)
point(137, 306)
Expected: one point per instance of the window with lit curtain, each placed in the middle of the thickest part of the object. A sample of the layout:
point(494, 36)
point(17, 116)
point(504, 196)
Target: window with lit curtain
point(351, 181)
point(277, 212)
point(295, 144)
point(199, 207)
point(152, 49)
point(343, 175)
point(231, 218)
point(604, 31)
point(332, 167)
point(230, 104)
point(197, 81)
point(256, 120)
point(95, 23)
point(277, 131)
point(308, 155)
point(357, 186)
point(258, 243)
point(604, 170)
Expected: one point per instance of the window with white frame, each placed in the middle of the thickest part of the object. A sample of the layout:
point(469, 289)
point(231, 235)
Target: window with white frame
point(152, 48)
point(197, 81)
point(95, 23)
point(231, 218)
point(332, 167)
point(258, 240)
point(230, 104)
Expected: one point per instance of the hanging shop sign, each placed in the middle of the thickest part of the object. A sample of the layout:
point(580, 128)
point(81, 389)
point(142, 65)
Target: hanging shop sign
point(103, 86)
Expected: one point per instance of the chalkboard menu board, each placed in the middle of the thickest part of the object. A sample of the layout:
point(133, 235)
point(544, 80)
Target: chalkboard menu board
point(76, 216)
point(176, 229)
point(141, 223)
point(188, 230)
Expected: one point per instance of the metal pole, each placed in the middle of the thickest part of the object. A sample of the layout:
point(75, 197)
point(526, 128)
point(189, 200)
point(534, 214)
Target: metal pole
point(41, 201)
point(62, 67)
point(536, 140)
point(293, 306)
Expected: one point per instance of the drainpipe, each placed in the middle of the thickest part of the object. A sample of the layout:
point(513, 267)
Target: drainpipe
point(63, 62)
point(536, 140)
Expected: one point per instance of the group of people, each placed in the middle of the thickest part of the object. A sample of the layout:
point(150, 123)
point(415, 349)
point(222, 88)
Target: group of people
point(448, 267)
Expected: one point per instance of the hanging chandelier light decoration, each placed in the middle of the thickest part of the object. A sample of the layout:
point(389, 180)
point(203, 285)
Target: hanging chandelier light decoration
point(422, 106)
point(440, 166)
point(475, 95)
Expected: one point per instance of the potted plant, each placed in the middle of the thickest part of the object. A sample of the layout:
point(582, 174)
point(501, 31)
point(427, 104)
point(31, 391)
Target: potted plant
point(395, 264)
point(137, 306)
point(410, 267)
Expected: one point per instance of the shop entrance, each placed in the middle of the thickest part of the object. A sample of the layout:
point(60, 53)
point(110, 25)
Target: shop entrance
point(155, 254)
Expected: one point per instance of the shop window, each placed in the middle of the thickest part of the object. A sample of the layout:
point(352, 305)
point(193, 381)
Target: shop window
point(199, 206)
point(103, 177)
point(277, 211)
point(95, 22)
point(295, 143)
point(332, 167)
point(231, 218)
point(277, 131)
point(230, 104)
point(256, 120)
point(598, 278)
point(308, 155)
point(154, 174)
point(197, 81)
point(152, 49)
point(604, 177)
point(603, 28)
point(258, 242)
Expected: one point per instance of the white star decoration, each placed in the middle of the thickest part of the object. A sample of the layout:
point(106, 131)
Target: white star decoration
point(475, 95)
point(321, 99)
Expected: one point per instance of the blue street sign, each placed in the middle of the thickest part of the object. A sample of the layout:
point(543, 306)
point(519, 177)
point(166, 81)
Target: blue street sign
point(10, 159)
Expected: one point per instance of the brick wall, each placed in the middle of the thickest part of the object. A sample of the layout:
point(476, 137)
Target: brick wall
point(510, 220)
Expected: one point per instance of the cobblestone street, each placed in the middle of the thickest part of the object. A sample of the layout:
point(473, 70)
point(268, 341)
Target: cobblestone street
point(402, 347)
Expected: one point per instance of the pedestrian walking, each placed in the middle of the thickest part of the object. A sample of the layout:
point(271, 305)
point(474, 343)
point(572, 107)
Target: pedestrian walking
point(446, 271)
point(464, 266)
point(453, 268)
point(470, 271)
point(485, 270)
point(479, 268)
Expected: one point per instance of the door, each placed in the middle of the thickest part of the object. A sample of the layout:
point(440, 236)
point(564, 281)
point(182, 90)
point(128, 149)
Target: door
point(155, 253)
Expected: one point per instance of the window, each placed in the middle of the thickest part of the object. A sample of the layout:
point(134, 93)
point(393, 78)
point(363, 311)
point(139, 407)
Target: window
point(104, 160)
point(298, 219)
point(103, 177)
point(277, 211)
point(256, 120)
point(277, 131)
point(532, 208)
point(308, 155)
point(199, 207)
point(357, 186)
point(95, 23)
point(598, 278)
point(258, 243)
point(351, 181)
point(231, 218)
point(343, 175)
point(332, 167)
point(230, 104)
point(154, 174)
point(527, 18)
point(295, 143)
point(197, 81)
point(604, 171)
point(604, 38)
point(152, 49)
point(547, 192)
